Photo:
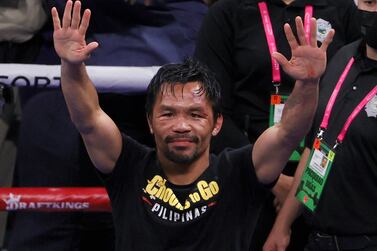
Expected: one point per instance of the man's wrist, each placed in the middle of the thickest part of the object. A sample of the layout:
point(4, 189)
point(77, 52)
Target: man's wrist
point(308, 82)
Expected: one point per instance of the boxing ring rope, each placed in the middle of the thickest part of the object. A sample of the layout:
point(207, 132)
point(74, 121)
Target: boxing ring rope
point(70, 199)
point(114, 79)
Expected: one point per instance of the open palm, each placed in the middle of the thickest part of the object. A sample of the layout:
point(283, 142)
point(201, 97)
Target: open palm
point(69, 37)
point(308, 61)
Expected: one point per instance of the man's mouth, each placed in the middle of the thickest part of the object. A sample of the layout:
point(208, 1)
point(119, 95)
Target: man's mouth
point(181, 139)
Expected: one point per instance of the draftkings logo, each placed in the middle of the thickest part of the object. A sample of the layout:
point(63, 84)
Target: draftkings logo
point(163, 203)
point(14, 202)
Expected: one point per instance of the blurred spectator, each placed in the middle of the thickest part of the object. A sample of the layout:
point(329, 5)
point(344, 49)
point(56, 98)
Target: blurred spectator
point(20, 22)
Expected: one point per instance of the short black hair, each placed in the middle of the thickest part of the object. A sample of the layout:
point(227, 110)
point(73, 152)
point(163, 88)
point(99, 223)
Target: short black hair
point(189, 71)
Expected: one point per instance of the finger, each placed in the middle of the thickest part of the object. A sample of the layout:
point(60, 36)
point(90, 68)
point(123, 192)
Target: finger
point(85, 22)
point(90, 48)
point(313, 32)
point(328, 40)
point(67, 14)
point(300, 31)
point(55, 19)
point(282, 60)
point(290, 37)
point(76, 15)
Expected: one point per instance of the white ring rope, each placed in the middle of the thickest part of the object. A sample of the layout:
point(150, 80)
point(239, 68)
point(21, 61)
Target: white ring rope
point(115, 79)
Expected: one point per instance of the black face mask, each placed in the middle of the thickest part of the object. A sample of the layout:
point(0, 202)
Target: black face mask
point(369, 27)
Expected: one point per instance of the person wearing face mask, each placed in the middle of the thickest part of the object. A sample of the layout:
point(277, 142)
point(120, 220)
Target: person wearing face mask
point(339, 199)
point(233, 43)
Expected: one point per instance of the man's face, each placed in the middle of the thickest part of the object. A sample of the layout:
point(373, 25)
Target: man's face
point(324, 162)
point(367, 5)
point(183, 123)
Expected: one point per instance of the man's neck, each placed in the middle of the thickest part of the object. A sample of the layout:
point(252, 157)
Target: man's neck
point(371, 53)
point(288, 2)
point(184, 174)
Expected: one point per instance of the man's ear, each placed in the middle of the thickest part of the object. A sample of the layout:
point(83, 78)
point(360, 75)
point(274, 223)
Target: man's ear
point(149, 123)
point(218, 124)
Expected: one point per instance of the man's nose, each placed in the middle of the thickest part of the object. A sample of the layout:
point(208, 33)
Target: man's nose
point(181, 125)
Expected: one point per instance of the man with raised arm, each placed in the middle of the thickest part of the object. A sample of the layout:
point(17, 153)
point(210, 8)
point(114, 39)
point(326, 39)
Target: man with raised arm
point(178, 196)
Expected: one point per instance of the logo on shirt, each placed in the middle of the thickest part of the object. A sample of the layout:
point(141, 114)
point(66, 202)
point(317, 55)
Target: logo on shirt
point(371, 107)
point(323, 28)
point(163, 203)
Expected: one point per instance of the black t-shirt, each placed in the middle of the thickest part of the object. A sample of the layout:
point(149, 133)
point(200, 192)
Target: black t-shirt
point(348, 203)
point(233, 44)
point(217, 212)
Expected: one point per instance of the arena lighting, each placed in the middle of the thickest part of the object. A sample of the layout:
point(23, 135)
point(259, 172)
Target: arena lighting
point(68, 199)
point(114, 79)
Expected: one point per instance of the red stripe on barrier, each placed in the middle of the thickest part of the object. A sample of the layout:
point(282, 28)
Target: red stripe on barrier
point(94, 199)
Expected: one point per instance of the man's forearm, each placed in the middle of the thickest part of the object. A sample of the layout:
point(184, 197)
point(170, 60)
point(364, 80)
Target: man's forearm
point(80, 95)
point(299, 111)
point(284, 137)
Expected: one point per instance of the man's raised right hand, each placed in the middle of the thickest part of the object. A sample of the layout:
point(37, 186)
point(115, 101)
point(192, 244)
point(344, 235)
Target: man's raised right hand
point(69, 35)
